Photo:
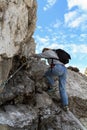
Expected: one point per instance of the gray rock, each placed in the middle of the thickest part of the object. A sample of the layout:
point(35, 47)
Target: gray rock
point(25, 103)
point(16, 31)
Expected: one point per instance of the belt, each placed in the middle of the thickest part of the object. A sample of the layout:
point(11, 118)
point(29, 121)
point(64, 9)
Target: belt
point(52, 65)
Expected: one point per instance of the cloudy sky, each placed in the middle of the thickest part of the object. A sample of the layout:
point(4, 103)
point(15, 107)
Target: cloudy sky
point(63, 24)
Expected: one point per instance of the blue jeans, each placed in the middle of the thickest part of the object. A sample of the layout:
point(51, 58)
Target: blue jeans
point(60, 71)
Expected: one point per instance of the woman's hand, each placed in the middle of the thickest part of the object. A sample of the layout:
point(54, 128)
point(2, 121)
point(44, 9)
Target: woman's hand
point(34, 55)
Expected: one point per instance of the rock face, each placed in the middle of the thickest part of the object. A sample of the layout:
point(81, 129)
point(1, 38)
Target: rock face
point(17, 25)
point(25, 103)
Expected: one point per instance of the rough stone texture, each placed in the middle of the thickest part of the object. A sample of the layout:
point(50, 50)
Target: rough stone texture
point(17, 25)
point(26, 105)
point(78, 84)
point(5, 66)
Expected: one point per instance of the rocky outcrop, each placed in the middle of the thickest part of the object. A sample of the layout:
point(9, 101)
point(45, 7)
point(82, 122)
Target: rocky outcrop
point(25, 103)
point(74, 69)
point(17, 25)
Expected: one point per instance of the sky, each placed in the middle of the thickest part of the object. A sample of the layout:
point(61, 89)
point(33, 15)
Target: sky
point(63, 24)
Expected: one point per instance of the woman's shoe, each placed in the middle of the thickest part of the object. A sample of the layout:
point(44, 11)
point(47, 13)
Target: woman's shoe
point(66, 108)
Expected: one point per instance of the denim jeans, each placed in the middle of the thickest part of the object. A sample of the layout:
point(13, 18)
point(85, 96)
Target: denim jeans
point(60, 71)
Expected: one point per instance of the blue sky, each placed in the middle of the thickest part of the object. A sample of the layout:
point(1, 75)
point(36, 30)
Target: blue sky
point(63, 24)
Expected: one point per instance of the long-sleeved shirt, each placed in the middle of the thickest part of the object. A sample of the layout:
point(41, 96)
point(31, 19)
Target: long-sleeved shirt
point(48, 55)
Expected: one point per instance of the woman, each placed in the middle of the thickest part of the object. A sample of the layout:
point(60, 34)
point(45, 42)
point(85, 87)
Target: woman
point(57, 69)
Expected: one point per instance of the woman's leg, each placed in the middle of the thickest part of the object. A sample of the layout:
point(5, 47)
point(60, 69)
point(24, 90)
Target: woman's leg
point(61, 72)
point(49, 77)
point(62, 90)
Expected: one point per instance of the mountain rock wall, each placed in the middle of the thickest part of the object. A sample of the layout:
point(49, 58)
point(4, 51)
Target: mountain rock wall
point(17, 25)
point(25, 103)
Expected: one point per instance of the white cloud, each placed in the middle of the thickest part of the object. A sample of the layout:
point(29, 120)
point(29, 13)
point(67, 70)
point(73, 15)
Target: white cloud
point(41, 42)
point(78, 49)
point(49, 4)
point(41, 39)
point(83, 48)
point(56, 45)
point(82, 4)
point(70, 16)
point(78, 17)
point(77, 22)
point(73, 20)
point(49, 42)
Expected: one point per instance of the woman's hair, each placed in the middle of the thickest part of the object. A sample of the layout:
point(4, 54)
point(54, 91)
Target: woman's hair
point(45, 49)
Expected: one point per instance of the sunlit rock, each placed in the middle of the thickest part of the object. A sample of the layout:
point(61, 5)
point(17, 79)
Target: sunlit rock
point(17, 25)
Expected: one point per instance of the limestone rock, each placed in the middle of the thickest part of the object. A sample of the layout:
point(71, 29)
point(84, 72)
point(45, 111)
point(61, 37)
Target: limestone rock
point(21, 97)
point(17, 25)
point(76, 83)
point(25, 103)
point(21, 114)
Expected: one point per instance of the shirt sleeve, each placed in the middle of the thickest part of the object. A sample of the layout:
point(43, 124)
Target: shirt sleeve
point(42, 55)
point(48, 54)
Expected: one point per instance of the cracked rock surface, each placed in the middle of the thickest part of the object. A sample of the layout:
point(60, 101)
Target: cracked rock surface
point(26, 105)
